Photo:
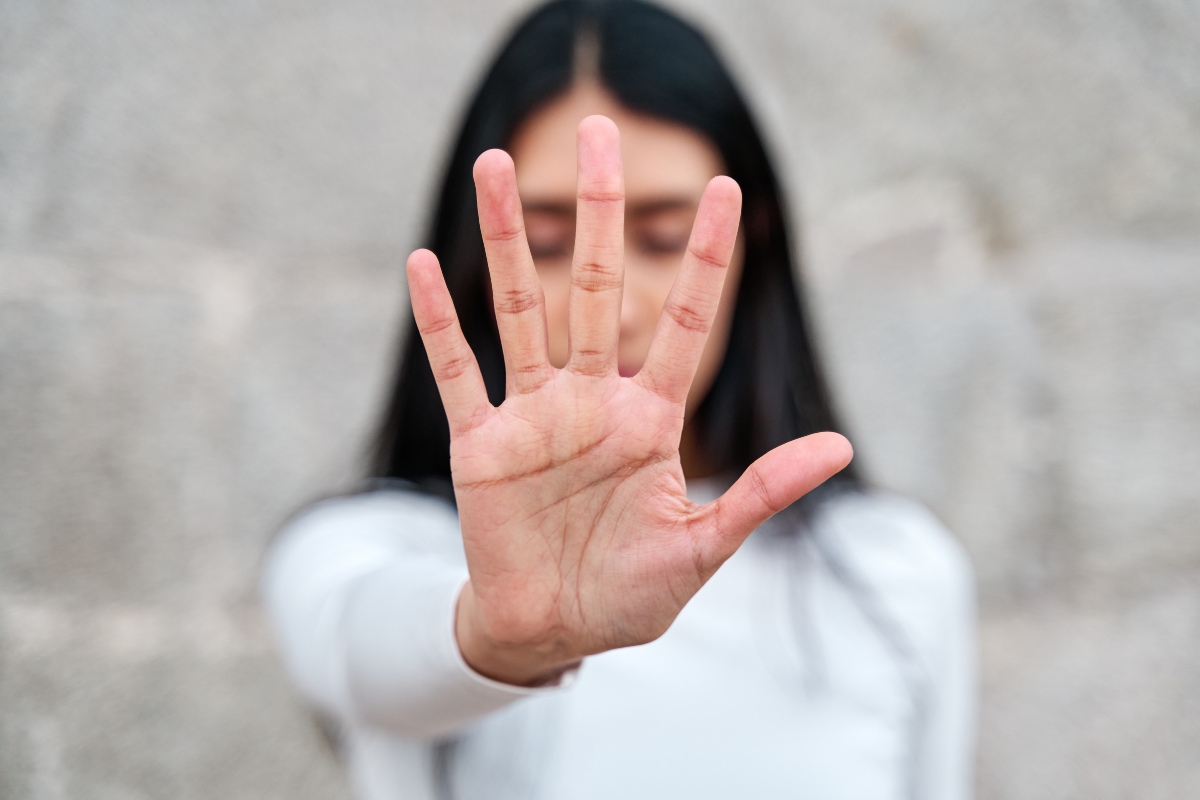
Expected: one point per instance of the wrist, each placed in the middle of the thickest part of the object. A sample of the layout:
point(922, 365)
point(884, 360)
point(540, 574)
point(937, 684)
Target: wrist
point(519, 664)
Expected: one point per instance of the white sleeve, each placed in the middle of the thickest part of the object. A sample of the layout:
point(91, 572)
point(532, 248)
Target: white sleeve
point(947, 749)
point(925, 580)
point(361, 593)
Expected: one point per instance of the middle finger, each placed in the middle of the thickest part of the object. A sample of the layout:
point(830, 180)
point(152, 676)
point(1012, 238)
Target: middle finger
point(597, 271)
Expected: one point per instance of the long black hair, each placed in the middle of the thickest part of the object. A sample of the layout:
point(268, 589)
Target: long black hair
point(769, 388)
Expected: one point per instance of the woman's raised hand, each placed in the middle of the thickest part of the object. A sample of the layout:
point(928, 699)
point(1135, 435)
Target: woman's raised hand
point(579, 535)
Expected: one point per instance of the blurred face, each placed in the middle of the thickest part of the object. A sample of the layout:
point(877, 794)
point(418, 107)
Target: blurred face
point(666, 169)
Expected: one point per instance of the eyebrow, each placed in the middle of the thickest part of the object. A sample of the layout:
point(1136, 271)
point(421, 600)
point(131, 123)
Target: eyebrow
point(645, 208)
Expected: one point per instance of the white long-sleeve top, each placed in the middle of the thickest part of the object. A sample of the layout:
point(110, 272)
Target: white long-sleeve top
point(834, 665)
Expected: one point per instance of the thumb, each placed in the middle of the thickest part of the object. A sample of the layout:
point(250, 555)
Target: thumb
point(771, 484)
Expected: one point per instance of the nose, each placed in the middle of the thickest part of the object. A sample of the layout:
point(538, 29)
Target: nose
point(637, 319)
point(629, 306)
point(637, 298)
point(648, 281)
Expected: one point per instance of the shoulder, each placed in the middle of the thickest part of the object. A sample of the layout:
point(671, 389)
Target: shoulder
point(378, 510)
point(897, 550)
point(364, 528)
point(891, 534)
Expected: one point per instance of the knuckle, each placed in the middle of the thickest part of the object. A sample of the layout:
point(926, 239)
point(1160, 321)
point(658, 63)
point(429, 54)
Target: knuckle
point(687, 318)
point(532, 368)
point(436, 326)
point(706, 257)
point(503, 235)
point(476, 418)
point(601, 196)
point(593, 277)
point(450, 368)
point(655, 386)
point(528, 378)
point(591, 363)
point(763, 492)
point(517, 301)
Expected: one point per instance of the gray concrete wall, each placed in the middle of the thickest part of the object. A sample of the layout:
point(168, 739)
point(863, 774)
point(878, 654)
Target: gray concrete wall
point(204, 209)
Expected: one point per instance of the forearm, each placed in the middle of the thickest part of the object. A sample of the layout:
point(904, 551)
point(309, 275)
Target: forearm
point(365, 618)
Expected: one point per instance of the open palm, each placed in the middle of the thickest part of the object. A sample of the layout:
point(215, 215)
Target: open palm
point(578, 532)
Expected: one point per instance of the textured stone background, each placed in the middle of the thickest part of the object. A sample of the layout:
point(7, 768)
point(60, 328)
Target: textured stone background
point(204, 207)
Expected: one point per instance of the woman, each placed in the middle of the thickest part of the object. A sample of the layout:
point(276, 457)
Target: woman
point(527, 601)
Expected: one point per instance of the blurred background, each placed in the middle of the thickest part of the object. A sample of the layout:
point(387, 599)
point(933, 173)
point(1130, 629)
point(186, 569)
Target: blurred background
point(204, 211)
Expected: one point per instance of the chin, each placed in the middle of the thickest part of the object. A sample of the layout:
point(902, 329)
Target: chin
point(628, 370)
